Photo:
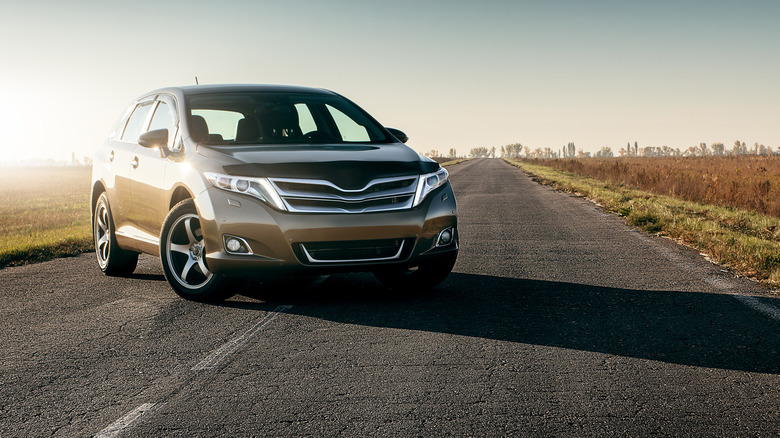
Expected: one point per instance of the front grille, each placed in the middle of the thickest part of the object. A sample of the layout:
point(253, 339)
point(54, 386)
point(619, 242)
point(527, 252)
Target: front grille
point(320, 196)
point(353, 251)
point(289, 186)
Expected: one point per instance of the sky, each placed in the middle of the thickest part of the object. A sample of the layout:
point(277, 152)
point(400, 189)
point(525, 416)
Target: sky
point(451, 74)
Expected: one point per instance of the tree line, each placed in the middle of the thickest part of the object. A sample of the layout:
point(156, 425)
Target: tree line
point(517, 150)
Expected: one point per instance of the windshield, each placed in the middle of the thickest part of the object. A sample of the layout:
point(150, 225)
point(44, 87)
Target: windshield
point(281, 118)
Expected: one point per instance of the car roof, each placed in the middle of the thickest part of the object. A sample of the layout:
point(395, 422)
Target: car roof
point(238, 88)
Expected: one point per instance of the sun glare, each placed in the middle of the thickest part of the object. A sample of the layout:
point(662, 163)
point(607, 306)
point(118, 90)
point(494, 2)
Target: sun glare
point(37, 134)
point(12, 126)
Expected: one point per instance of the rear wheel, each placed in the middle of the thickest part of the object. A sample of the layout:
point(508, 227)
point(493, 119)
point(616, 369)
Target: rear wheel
point(112, 259)
point(183, 255)
point(421, 277)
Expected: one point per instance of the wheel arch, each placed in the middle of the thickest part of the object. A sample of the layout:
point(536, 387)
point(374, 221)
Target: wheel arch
point(180, 193)
point(97, 189)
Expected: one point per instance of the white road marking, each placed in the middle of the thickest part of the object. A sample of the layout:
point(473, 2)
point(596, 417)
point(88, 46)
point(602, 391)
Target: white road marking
point(216, 356)
point(117, 427)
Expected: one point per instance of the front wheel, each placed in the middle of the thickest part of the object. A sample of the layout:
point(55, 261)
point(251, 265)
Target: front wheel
point(422, 277)
point(183, 255)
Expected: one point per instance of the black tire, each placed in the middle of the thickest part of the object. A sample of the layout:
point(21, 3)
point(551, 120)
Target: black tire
point(182, 253)
point(418, 278)
point(112, 259)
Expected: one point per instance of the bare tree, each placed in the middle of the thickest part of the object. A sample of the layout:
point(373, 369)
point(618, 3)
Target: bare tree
point(479, 152)
point(739, 148)
point(514, 150)
point(570, 150)
point(605, 152)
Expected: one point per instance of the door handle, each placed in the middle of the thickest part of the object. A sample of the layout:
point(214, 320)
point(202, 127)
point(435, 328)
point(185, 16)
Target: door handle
point(134, 163)
point(111, 156)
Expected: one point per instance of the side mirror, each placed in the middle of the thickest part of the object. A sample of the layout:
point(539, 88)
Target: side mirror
point(153, 139)
point(156, 139)
point(403, 138)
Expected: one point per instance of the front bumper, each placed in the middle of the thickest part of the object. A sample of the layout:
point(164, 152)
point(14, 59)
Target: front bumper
point(278, 240)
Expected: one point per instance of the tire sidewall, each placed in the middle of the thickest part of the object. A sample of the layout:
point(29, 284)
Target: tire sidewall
point(103, 201)
point(210, 290)
point(118, 262)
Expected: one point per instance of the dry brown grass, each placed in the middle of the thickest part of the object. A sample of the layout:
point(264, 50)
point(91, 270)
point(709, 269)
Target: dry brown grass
point(453, 161)
point(747, 182)
point(44, 213)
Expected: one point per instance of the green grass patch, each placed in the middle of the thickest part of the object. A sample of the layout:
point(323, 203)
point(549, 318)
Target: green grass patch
point(44, 214)
point(744, 241)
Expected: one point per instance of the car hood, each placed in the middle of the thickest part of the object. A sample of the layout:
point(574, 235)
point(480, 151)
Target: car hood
point(350, 167)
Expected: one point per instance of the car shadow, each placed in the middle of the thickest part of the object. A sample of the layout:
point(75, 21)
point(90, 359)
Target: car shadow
point(688, 328)
point(148, 277)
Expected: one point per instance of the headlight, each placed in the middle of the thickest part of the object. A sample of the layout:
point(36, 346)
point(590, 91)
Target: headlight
point(260, 188)
point(428, 183)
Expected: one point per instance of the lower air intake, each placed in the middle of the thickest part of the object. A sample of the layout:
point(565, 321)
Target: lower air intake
point(354, 251)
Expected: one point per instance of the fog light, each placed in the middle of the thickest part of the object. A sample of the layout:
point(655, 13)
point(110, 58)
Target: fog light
point(236, 245)
point(445, 237)
point(233, 245)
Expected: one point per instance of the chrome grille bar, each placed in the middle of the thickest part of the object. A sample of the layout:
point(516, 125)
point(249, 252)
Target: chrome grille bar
point(321, 196)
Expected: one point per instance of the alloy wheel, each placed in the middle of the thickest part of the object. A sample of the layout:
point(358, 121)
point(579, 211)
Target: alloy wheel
point(186, 252)
point(102, 235)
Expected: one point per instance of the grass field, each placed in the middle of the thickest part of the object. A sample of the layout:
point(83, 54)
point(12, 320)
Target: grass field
point(44, 213)
point(747, 182)
point(743, 240)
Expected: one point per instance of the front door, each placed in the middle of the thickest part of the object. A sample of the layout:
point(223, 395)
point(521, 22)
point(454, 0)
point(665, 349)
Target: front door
point(147, 175)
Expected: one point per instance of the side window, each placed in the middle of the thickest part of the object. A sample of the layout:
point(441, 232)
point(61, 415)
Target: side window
point(164, 118)
point(119, 126)
point(136, 122)
point(350, 130)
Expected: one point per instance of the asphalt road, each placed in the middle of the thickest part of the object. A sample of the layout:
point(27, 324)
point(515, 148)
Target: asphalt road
point(558, 320)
